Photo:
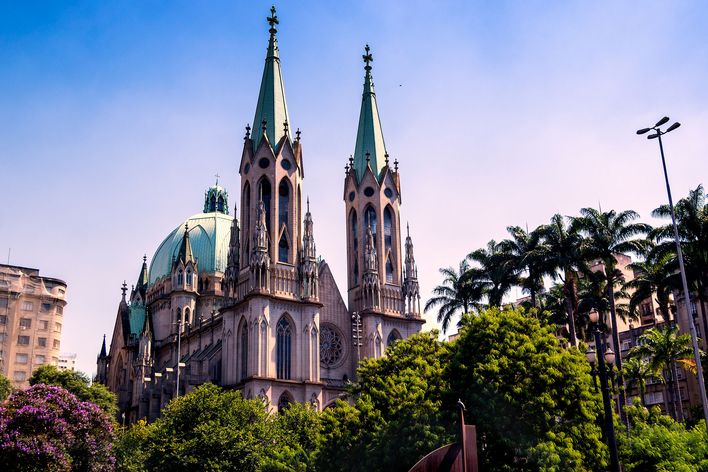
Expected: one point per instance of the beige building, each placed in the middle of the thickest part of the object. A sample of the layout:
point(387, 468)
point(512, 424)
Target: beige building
point(31, 319)
point(67, 361)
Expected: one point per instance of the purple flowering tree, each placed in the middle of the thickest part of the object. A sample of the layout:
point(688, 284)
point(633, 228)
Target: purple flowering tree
point(47, 428)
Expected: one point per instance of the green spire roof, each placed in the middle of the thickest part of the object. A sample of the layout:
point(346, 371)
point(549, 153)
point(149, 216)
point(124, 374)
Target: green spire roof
point(271, 106)
point(369, 138)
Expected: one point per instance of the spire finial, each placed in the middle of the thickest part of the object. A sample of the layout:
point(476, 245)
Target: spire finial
point(248, 131)
point(386, 157)
point(272, 20)
point(368, 58)
point(186, 227)
point(351, 160)
point(297, 133)
point(124, 288)
point(308, 204)
point(145, 258)
point(285, 127)
point(395, 165)
point(264, 124)
point(368, 157)
point(408, 230)
point(217, 178)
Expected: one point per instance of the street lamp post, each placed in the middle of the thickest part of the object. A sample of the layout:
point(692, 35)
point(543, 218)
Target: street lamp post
point(658, 133)
point(602, 358)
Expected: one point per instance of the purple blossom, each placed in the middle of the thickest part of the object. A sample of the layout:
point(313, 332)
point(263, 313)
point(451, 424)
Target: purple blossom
point(47, 428)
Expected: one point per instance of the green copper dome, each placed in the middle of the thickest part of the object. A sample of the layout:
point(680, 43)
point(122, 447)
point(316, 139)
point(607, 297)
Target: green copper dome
point(209, 235)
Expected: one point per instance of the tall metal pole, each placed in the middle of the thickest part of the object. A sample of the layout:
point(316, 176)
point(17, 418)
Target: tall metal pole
point(609, 423)
point(686, 294)
point(179, 352)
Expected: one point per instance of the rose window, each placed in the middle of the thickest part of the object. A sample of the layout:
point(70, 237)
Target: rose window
point(331, 346)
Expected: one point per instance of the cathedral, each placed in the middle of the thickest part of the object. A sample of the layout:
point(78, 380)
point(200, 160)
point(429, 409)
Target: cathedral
point(241, 299)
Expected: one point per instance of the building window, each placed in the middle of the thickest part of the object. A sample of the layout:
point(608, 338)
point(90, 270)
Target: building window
point(43, 325)
point(388, 228)
point(60, 310)
point(39, 359)
point(46, 307)
point(27, 306)
point(244, 350)
point(42, 342)
point(264, 192)
point(189, 277)
point(25, 323)
point(393, 337)
point(283, 346)
point(180, 277)
point(186, 316)
point(283, 204)
point(57, 327)
point(3, 302)
point(370, 221)
point(331, 346)
point(3, 337)
point(220, 205)
point(19, 376)
point(23, 340)
point(21, 358)
point(284, 401)
point(283, 249)
point(389, 270)
point(56, 344)
point(3, 319)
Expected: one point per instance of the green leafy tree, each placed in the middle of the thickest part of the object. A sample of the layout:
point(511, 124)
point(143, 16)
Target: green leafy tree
point(665, 348)
point(299, 429)
point(651, 280)
point(531, 399)
point(5, 388)
point(460, 292)
point(79, 384)
point(130, 447)
point(637, 371)
point(658, 443)
point(398, 415)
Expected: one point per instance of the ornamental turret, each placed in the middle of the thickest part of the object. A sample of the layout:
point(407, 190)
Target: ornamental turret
point(371, 288)
point(232, 261)
point(185, 266)
point(102, 364)
point(260, 259)
point(411, 289)
point(216, 199)
point(309, 278)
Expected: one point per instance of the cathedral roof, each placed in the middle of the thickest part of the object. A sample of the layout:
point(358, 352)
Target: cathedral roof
point(370, 147)
point(209, 240)
point(271, 107)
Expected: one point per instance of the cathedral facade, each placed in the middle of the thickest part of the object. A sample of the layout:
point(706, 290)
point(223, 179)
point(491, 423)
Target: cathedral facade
point(244, 301)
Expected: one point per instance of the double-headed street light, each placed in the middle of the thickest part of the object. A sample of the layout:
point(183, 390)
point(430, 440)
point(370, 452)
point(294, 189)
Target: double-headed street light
point(604, 358)
point(658, 133)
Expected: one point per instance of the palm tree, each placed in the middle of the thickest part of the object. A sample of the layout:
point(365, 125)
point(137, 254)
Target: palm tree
point(692, 222)
point(637, 371)
point(524, 254)
point(497, 273)
point(664, 348)
point(651, 279)
point(460, 291)
point(610, 234)
point(560, 253)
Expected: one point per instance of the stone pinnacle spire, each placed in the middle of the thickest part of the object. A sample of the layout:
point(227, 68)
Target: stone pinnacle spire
point(370, 147)
point(185, 250)
point(271, 109)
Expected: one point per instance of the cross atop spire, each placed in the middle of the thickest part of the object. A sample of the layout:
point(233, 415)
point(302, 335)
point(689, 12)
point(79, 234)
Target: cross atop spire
point(271, 109)
point(370, 147)
point(217, 178)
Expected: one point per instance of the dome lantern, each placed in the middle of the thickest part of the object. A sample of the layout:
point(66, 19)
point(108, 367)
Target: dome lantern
point(216, 199)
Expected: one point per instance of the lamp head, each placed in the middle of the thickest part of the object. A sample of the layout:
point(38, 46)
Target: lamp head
point(609, 356)
point(652, 136)
point(673, 127)
point(643, 130)
point(594, 316)
point(662, 121)
point(591, 355)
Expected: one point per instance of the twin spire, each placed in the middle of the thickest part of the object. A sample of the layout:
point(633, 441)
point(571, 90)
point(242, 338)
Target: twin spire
point(273, 121)
point(271, 117)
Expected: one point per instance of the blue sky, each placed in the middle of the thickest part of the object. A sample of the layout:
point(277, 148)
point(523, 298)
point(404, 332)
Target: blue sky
point(114, 117)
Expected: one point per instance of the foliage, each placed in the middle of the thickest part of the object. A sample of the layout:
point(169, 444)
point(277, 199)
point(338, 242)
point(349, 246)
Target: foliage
point(396, 418)
point(497, 270)
point(79, 384)
point(299, 429)
point(659, 443)
point(5, 387)
point(130, 447)
point(532, 401)
point(460, 291)
point(48, 428)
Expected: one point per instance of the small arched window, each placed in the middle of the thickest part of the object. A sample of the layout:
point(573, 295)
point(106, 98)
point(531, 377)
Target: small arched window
point(246, 218)
point(186, 316)
point(284, 401)
point(393, 337)
point(244, 350)
point(283, 348)
point(180, 277)
point(283, 249)
point(220, 204)
point(389, 270)
point(388, 228)
point(189, 277)
point(212, 203)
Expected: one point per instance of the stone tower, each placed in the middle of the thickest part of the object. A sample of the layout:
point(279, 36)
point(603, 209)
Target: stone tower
point(372, 196)
point(271, 326)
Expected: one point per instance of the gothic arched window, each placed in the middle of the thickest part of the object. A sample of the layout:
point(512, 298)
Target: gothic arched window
point(389, 270)
point(370, 220)
point(264, 193)
point(220, 204)
point(283, 203)
point(189, 277)
point(283, 249)
point(355, 246)
point(180, 278)
point(388, 228)
point(244, 350)
point(283, 348)
point(393, 337)
point(212, 203)
point(284, 401)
